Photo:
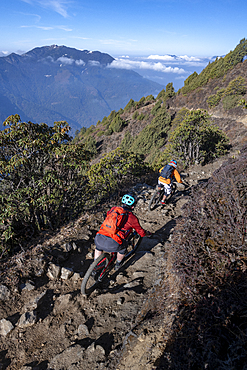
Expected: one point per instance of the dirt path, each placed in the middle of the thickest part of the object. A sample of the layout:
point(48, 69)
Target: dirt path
point(45, 323)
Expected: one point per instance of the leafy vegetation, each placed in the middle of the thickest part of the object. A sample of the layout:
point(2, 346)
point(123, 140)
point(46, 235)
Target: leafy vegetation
point(117, 124)
point(42, 175)
point(156, 107)
point(213, 100)
point(127, 141)
point(129, 106)
point(47, 180)
point(195, 140)
point(114, 169)
point(167, 93)
point(154, 135)
point(229, 96)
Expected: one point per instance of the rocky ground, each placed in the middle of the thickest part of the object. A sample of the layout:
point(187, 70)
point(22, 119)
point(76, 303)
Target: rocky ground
point(45, 322)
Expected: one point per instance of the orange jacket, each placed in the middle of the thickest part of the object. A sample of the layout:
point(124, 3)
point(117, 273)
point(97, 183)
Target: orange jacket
point(131, 223)
point(175, 173)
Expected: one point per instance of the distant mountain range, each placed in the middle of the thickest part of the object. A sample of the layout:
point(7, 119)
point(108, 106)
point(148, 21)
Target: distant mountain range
point(53, 83)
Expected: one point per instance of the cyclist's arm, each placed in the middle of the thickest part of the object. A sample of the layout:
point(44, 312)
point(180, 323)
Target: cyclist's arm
point(177, 177)
point(136, 225)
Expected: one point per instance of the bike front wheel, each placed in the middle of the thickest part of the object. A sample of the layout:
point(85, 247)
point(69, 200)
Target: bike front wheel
point(154, 201)
point(91, 278)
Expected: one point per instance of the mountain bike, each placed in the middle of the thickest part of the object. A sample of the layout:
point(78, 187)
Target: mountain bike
point(158, 195)
point(99, 270)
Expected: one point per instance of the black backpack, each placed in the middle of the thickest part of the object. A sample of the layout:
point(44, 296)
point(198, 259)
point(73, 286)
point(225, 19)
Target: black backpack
point(167, 171)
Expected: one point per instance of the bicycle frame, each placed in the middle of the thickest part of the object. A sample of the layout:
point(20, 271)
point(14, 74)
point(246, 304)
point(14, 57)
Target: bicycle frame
point(112, 259)
point(114, 255)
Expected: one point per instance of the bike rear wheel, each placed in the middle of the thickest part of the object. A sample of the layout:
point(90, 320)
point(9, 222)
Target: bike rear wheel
point(91, 278)
point(173, 190)
point(154, 201)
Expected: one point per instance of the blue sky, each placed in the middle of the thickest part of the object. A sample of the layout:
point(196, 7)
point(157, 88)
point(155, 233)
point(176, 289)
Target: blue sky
point(128, 29)
point(134, 27)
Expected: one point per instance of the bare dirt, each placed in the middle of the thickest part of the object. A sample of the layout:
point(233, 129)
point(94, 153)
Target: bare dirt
point(50, 325)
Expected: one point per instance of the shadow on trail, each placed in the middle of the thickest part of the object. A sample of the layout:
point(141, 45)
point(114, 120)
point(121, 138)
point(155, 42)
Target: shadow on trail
point(146, 246)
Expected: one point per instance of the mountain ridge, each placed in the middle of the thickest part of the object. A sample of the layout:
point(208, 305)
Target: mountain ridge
point(55, 83)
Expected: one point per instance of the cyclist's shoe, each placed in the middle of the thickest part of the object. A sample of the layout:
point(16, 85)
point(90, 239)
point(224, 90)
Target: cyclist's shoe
point(148, 234)
point(162, 202)
point(117, 265)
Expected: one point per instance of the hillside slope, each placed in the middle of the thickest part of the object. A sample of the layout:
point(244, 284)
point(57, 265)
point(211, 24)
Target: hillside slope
point(232, 121)
point(49, 325)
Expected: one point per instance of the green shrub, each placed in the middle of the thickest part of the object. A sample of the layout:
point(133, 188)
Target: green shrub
point(242, 103)
point(236, 87)
point(140, 103)
point(161, 95)
point(89, 131)
point(197, 140)
point(117, 124)
point(42, 178)
point(100, 133)
point(129, 106)
point(156, 107)
point(105, 121)
point(90, 145)
point(141, 117)
point(109, 131)
point(230, 101)
point(135, 114)
point(170, 92)
point(153, 135)
point(213, 100)
point(127, 141)
point(149, 98)
point(113, 171)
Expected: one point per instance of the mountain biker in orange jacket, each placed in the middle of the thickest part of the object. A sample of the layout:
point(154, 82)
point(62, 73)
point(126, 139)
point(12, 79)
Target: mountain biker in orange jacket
point(118, 243)
point(167, 182)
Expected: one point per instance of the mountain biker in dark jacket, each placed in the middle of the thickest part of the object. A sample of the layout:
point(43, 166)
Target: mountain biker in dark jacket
point(118, 243)
point(166, 182)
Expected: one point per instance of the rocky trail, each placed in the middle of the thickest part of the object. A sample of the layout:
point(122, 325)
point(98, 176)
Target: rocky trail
point(45, 322)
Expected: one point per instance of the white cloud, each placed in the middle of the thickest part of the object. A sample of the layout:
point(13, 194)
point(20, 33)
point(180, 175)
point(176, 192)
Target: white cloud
point(94, 62)
point(174, 58)
point(65, 60)
point(80, 62)
point(131, 64)
point(49, 28)
point(68, 61)
point(59, 6)
point(166, 58)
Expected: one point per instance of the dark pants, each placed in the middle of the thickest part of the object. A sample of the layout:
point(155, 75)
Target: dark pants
point(107, 244)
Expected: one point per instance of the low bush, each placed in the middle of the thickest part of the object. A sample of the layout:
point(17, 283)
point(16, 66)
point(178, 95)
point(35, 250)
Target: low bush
point(208, 251)
point(230, 101)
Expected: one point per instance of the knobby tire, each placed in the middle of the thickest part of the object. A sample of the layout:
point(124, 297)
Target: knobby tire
point(154, 201)
point(89, 283)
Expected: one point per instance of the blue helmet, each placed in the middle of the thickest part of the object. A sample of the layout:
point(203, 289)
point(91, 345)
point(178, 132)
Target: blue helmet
point(173, 163)
point(129, 200)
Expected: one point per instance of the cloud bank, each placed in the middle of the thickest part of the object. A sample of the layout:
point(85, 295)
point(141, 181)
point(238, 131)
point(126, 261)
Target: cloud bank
point(155, 66)
point(174, 58)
